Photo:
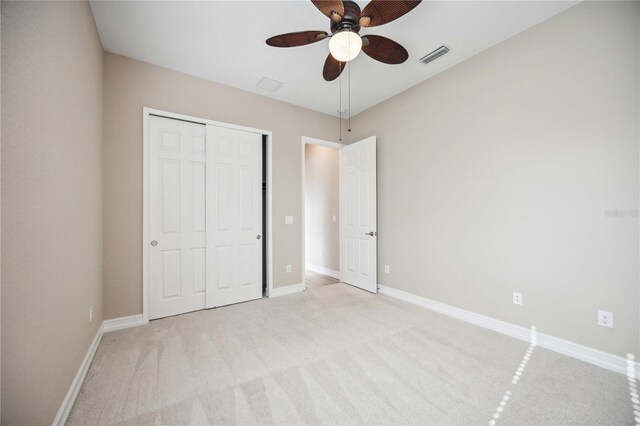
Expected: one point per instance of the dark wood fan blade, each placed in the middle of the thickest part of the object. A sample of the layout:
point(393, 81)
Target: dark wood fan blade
point(296, 39)
point(379, 12)
point(332, 68)
point(384, 50)
point(327, 7)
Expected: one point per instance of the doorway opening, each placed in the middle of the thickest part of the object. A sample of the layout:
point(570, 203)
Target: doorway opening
point(321, 212)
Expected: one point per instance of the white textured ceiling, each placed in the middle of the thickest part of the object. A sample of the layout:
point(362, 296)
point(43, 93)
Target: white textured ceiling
point(224, 41)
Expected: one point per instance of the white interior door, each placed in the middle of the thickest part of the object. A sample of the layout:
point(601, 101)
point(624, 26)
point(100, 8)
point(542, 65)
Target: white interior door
point(234, 216)
point(358, 220)
point(176, 217)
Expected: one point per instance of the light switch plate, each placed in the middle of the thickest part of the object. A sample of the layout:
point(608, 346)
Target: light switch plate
point(288, 269)
point(288, 220)
point(386, 269)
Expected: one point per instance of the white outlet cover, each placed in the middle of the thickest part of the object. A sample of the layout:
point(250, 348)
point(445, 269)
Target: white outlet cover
point(605, 318)
point(288, 220)
point(517, 298)
point(386, 269)
point(333, 218)
point(288, 269)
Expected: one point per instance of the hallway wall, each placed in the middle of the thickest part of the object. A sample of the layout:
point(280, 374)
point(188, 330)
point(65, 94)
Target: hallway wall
point(322, 204)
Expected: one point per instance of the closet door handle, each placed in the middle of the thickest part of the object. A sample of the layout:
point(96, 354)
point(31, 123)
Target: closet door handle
point(154, 243)
point(371, 234)
point(258, 237)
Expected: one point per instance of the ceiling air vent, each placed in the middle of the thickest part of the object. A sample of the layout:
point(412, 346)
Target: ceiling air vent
point(269, 84)
point(434, 55)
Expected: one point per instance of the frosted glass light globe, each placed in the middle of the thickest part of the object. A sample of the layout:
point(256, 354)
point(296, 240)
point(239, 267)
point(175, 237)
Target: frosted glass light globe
point(345, 45)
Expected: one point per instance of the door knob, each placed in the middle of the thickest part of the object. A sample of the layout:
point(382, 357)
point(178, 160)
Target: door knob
point(154, 243)
point(371, 234)
point(258, 237)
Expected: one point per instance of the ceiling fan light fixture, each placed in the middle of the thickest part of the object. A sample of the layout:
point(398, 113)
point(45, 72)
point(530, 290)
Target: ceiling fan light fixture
point(345, 45)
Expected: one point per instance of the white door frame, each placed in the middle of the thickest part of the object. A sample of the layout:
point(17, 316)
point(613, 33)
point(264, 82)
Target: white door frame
point(146, 112)
point(306, 140)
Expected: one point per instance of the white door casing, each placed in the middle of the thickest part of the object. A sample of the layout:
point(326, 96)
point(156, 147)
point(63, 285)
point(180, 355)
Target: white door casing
point(176, 217)
point(358, 219)
point(234, 216)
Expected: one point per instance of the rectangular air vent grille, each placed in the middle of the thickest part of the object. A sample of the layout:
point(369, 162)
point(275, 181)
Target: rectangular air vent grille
point(269, 84)
point(434, 55)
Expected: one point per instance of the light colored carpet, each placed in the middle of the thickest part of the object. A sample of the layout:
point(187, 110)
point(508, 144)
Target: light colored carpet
point(336, 355)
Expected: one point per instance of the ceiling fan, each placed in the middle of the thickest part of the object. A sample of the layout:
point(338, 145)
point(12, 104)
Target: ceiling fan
point(345, 43)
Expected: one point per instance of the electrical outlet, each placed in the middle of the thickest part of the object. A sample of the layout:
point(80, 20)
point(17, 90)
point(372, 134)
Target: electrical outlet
point(386, 269)
point(91, 313)
point(517, 298)
point(333, 218)
point(605, 318)
point(288, 220)
point(288, 269)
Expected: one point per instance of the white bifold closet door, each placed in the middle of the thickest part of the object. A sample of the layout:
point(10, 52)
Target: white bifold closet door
point(205, 216)
point(177, 217)
point(234, 216)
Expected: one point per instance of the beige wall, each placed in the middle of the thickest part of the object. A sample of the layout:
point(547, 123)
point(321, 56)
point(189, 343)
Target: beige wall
point(322, 201)
point(495, 176)
point(131, 85)
point(51, 202)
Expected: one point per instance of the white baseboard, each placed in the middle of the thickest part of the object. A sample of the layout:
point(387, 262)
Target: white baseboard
point(584, 353)
point(283, 291)
point(76, 384)
point(74, 389)
point(322, 270)
point(124, 322)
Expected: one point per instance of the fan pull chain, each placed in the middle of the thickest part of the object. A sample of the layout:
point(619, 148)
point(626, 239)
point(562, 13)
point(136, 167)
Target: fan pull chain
point(349, 78)
point(340, 103)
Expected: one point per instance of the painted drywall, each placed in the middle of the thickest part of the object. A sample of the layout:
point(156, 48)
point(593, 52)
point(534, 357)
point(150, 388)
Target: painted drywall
point(517, 170)
point(51, 202)
point(130, 85)
point(322, 203)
